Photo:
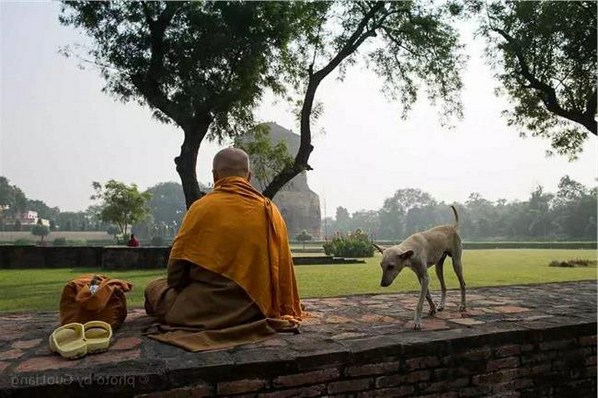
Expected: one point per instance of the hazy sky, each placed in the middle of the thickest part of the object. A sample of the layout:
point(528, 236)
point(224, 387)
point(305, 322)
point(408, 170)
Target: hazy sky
point(59, 133)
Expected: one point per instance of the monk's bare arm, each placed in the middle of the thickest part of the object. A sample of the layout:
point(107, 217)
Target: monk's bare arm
point(178, 274)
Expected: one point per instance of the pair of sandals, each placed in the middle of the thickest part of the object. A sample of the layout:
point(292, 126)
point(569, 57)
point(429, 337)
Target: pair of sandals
point(75, 340)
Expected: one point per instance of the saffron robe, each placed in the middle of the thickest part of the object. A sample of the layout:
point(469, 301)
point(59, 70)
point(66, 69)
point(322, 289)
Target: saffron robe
point(230, 274)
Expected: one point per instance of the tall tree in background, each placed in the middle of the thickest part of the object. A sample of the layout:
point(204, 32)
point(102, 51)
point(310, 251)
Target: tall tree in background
point(121, 204)
point(544, 53)
point(575, 207)
point(12, 199)
point(200, 65)
point(43, 210)
point(409, 44)
point(167, 203)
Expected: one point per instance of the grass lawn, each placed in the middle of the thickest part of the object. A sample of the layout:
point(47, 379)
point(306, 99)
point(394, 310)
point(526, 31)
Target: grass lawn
point(40, 289)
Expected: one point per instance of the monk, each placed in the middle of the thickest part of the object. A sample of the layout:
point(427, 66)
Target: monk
point(230, 277)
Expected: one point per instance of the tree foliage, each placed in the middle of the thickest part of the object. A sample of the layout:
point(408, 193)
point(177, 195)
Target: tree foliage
point(12, 199)
point(568, 214)
point(40, 230)
point(202, 65)
point(410, 44)
point(544, 54)
point(167, 208)
point(121, 204)
point(167, 203)
point(43, 210)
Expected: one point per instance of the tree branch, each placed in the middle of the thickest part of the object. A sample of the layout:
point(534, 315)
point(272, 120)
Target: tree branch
point(314, 79)
point(354, 41)
point(548, 95)
point(149, 83)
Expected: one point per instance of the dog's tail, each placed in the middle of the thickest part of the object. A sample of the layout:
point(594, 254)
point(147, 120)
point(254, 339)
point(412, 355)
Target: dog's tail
point(456, 216)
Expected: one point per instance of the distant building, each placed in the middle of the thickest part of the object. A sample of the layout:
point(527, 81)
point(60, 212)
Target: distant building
point(299, 205)
point(27, 218)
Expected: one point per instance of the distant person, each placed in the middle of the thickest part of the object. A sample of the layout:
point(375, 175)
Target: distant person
point(230, 277)
point(133, 242)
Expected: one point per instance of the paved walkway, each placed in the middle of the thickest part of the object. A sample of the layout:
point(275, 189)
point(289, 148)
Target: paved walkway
point(338, 326)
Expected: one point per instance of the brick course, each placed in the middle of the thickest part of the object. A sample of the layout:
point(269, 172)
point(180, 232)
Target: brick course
point(547, 371)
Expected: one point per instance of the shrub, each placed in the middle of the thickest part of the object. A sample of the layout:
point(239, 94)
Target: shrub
point(59, 242)
point(157, 241)
point(572, 263)
point(303, 237)
point(79, 242)
point(354, 244)
point(23, 242)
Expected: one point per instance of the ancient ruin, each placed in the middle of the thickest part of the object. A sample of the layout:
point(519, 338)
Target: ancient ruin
point(299, 205)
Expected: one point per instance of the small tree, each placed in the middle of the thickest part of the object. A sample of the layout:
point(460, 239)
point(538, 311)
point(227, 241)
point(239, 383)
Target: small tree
point(112, 230)
point(121, 204)
point(41, 231)
point(303, 237)
point(267, 158)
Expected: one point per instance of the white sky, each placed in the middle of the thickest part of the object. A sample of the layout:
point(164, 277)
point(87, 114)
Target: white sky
point(59, 132)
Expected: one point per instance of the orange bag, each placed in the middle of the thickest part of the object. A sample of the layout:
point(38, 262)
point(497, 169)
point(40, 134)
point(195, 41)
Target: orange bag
point(80, 304)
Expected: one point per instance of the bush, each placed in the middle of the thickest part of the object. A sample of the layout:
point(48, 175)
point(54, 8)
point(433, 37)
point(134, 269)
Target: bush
point(157, 241)
point(79, 242)
point(354, 244)
point(23, 242)
point(303, 237)
point(59, 242)
point(572, 263)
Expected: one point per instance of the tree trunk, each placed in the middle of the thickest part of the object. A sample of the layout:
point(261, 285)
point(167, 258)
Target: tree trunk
point(186, 162)
point(305, 148)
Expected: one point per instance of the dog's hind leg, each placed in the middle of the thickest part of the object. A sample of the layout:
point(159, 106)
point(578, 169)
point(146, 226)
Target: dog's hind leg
point(458, 267)
point(440, 274)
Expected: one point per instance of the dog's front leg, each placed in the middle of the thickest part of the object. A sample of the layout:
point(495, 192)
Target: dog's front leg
point(424, 281)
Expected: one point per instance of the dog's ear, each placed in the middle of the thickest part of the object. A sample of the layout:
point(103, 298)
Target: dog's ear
point(406, 255)
point(379, 248)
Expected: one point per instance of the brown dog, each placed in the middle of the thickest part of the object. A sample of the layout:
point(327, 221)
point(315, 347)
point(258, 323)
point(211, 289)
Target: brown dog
point(420, 251)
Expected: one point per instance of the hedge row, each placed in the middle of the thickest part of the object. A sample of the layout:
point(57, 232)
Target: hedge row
point(484, 245)
point(519, 245)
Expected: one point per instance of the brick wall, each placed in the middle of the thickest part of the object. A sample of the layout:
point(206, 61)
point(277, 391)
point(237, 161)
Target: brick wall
point(110, 257)
point(546, 365)
point(107, 257)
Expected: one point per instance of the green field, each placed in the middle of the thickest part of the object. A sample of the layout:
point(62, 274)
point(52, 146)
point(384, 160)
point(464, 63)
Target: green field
point(39, 289)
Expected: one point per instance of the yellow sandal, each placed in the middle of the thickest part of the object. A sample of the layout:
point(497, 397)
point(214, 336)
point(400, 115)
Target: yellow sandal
point(97, 335)
point(69, 341)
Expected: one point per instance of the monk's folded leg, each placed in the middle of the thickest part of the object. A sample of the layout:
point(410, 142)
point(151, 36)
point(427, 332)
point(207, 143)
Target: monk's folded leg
point(158, 298)
point(211, 301)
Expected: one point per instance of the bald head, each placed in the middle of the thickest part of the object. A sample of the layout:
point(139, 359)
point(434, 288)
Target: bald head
point(231, 162)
